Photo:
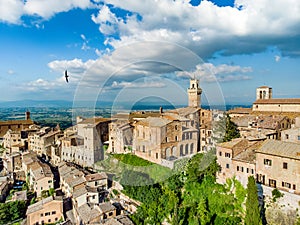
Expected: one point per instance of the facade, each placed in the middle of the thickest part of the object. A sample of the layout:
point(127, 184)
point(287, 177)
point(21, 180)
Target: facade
point(40, 177)
point(165, 139)
point(86, 146)
point(120, 136)
point(265, 103)
point(12, 162)
point(48, 210)
point(15, 125)
point(225, 153)
point(41, 141)
point(278, 165)
point(293, 134)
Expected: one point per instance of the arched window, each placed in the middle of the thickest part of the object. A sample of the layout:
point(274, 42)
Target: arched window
point(192, 148)
point(174, 151)
point(183, 136)
point(181, 150)
point(186, 149)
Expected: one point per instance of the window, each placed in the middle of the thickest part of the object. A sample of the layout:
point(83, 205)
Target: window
point(110, 214)
point(53, 212)
point(49, 181)
point(220, 153)
point(298, 138)
point(227, 166)
point(286, 136)
point(227, 154)
point(268, 162)
point(242, 169)
point(49, 221)
point(285, 165)
point(272, 183)
point(286, 185)
point(294, 186)
point(252, 171)
point(247, 170)
point(237, 168)
point(42, 214)
point(157, 155)
point(47, 214)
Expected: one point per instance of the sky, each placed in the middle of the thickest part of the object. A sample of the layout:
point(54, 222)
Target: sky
point(130, 50)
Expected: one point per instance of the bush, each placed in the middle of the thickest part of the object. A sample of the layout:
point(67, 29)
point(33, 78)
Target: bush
point(276, 194)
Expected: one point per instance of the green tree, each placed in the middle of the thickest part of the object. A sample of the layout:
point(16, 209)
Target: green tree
point(12, 211)
point(231, 131)
point(252, 205)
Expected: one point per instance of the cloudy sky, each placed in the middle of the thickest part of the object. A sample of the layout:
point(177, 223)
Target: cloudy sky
point(127, 50)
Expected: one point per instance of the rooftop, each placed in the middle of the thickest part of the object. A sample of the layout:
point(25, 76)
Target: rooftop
point(154, 122)
point(106, 207)
point(280, 148)
point(87, 213)
point(278, 101)
point(41, 204)
point(96, 176)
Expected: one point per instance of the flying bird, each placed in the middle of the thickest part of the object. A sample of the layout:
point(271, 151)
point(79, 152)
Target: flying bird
point(66, 76)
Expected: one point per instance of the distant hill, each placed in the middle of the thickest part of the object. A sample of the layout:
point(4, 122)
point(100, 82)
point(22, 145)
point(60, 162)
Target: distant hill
point(36, 103)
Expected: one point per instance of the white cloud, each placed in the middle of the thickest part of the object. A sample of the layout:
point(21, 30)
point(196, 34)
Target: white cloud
point(11, 72)
point(207, 72)
point(11, 11)
point(277, 58)
point(207, 28)
point(124, 84)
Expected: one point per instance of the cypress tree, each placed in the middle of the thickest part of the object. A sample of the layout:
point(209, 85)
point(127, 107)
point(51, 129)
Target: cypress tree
point(252, 205)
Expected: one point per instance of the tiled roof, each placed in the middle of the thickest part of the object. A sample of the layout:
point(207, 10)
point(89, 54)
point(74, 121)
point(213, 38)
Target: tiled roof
point(278, 101)
point(249, 154)
point(79, 191)
point(240, 111)
point(232, 143)
point(95, 120)
point(40, 204)
point(154, 122)
point(106, 207)
point(281, 149)
point(185, 111)
point(96, 176)
point(87, 213)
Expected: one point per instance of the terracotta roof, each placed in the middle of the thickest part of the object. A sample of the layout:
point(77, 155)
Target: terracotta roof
point(240, 111)
point(232, 143)
point(154, 122)
point(16, 122)
point(87, 214)
point(185, 111)
point(280, 148)
point(96, 176)
point(95, 120)
point(264, 86)
point(249, 154)
point(106, 207)
point(40, 204)
point(278, 101)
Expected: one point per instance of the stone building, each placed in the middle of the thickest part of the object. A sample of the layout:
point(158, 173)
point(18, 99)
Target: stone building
point(165, 139)
point(48, 210)
point(293, 134)
point(226, 152)
point(40, 178)
point(278, 165)
point(86, 146)
point(15, 125)
point(41, 141)
point(265, 103)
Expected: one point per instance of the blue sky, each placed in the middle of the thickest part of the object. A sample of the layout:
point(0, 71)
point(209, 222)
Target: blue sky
point(118, 50)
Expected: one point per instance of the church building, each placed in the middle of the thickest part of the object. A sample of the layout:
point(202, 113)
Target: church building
point(266, 103)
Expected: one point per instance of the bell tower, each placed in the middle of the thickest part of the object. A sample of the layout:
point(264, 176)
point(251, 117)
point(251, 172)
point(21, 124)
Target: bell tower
point(263, 92)
point(194, 93)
